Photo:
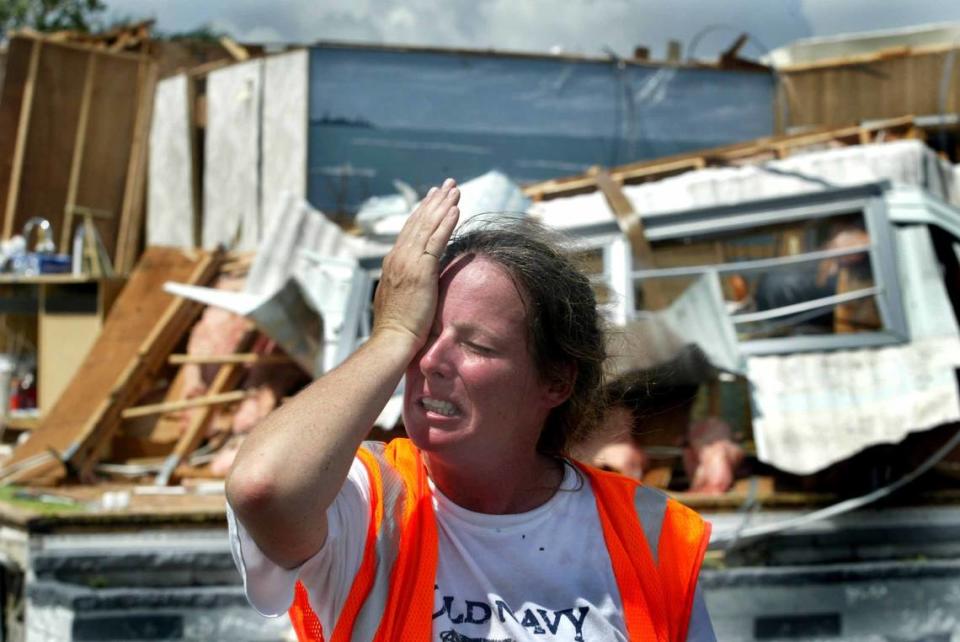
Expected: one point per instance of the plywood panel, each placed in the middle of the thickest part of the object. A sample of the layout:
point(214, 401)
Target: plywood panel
point(49, 144)
point(883, 88)
point(231, 189)
point(11, 98)
point(170, 195)
point(65, 339)
point(106, 152)
point(143, 321)
point(284, 162)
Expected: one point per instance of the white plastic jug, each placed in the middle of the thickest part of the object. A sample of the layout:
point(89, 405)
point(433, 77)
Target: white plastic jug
point(6, 370)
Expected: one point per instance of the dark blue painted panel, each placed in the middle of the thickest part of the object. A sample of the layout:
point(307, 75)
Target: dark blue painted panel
point(378, 115)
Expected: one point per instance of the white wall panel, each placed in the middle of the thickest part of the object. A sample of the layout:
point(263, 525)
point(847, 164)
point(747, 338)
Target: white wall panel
point(170, 197)
point(231, 189)
point(284, 148)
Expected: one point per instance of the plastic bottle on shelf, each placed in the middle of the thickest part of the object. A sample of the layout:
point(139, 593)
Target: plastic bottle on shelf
point(13, 396)
point(28, 391)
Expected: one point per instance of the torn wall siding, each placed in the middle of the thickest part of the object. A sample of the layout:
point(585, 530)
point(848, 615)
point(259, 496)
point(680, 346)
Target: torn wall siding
point(231, 174)
point(339, 124)
point(254, 152)
point(284, 140)
point(297, 227)
point(305, 281)
point(171, 201)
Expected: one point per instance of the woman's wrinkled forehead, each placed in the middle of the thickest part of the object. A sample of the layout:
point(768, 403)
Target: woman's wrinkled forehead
point(456, 264)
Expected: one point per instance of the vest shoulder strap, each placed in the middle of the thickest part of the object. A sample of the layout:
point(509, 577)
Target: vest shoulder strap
point(394, 488)
point(683, 544)
point(656, 546)
point(408, 612)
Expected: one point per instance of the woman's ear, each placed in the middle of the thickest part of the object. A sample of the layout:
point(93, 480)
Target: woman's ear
point(560, 385)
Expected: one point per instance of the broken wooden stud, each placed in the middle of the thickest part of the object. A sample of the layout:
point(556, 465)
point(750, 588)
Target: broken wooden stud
point(237, 51)
point(220, 359)
point(227, 377)
point(173, 406)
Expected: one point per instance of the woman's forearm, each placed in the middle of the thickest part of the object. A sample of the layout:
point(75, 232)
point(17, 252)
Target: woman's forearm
point(292, 465)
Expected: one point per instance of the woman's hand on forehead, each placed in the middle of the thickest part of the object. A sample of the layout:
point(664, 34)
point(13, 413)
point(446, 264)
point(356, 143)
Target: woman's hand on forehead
point(406, 297)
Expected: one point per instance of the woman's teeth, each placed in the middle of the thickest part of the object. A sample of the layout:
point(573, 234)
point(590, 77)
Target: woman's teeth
point(444, 408)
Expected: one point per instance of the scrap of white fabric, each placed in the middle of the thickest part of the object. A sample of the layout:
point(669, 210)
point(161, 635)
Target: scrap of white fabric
point(812, 410)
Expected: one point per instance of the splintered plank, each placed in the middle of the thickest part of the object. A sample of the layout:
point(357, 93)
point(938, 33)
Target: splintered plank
point(143, 327)
point(632, 227)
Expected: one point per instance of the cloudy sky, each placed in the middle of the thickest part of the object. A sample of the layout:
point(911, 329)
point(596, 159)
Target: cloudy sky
point(574, 26)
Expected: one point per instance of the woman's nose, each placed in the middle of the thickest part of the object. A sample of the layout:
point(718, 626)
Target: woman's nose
point(435, 358)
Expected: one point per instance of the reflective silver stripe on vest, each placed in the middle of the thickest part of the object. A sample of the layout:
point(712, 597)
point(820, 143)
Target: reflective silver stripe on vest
point(651, 507)
point(387, 548)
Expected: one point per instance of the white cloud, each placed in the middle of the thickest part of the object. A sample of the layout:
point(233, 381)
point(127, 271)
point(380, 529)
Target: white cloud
point(575, 26)
point(829, 17)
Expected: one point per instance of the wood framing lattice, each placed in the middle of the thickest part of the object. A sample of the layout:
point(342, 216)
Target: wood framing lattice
point(754, 151)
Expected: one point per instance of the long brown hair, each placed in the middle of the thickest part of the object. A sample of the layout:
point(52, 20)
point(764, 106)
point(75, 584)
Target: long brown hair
point(564, 328)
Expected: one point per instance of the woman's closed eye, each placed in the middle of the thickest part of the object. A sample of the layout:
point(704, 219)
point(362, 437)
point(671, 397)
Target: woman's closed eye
point(478, 348)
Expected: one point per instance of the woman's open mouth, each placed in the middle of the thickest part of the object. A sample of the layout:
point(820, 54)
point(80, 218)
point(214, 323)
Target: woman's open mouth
point(439, 406)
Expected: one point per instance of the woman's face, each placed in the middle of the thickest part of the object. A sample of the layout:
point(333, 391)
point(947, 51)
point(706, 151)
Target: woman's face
point(473, 391)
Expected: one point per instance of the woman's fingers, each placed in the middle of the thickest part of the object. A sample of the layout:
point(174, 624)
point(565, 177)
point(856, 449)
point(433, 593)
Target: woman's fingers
point(422, 223)
point(441, 236)
point(444, 219)
point(436, 215)
point(406, 297)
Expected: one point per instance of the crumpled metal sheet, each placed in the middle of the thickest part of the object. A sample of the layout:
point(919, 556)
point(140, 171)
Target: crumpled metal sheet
point(688, 343)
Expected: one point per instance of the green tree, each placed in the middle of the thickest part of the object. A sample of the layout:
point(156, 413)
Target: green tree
point(50, 15)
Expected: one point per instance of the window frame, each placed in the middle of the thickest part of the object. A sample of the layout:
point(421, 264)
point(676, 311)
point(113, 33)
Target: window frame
point(869, 199)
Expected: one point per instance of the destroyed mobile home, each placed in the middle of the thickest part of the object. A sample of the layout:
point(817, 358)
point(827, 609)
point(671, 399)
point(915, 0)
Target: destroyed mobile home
point(812, 308)
point(783, 342)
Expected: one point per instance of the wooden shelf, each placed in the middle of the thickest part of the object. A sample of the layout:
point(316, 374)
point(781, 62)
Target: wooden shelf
point(20, 423)
point(64, 314)
point(55, 279)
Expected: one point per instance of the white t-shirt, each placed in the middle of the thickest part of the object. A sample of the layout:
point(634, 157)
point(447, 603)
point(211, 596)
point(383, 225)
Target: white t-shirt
point(543, 575)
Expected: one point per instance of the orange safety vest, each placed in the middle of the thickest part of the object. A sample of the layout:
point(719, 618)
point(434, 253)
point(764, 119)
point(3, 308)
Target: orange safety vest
point(391, 599)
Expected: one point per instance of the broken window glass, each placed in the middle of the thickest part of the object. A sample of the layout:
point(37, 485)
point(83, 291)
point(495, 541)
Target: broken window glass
point(801, 277)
